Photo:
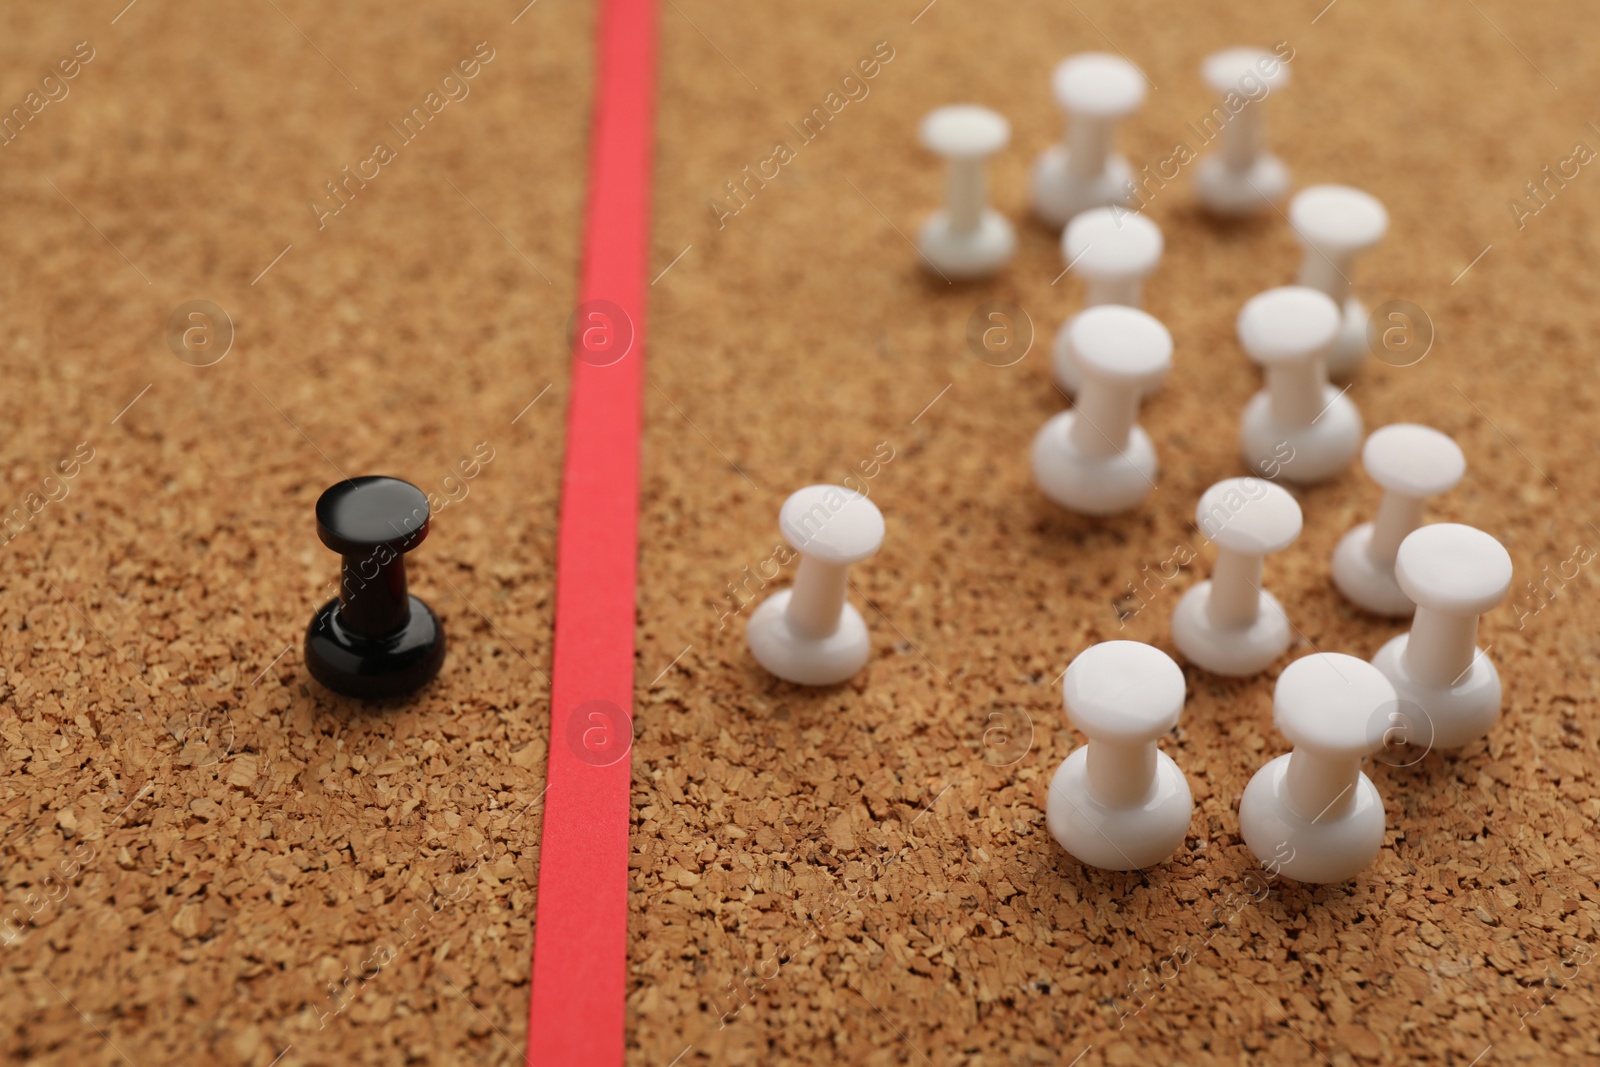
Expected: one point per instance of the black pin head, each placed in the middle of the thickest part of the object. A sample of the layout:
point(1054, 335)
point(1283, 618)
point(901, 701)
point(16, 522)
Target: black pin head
point(375, 640)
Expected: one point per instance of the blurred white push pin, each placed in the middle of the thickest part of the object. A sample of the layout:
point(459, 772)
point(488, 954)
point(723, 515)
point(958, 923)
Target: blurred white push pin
point(1411, 463)
point(1228, 624)
point(1113, 251)
point(1454, 573)
point(1119, 802)
point(810, 634)
point(1299, 426)
point(1312, 815)
point(1336, 223)
point(1242, 177)
point(1096, 90)
point(1095, 459)
point(968, 239)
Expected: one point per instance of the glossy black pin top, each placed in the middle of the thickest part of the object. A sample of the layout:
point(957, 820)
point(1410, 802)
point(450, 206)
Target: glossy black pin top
point(375, 640)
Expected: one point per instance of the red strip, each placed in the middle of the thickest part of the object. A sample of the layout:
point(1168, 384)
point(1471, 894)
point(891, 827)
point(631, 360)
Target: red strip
point(576, 1015)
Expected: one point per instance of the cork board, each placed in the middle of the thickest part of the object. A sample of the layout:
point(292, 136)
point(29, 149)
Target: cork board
point(208, 859)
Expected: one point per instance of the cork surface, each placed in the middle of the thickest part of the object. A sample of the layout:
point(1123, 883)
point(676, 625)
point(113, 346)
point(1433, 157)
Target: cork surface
point(205, 858)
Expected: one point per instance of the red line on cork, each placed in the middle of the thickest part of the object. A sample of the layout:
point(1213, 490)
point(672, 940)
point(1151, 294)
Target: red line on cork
point(576, 1012)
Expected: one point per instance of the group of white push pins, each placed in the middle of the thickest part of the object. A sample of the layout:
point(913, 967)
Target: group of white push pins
point(1118, 802)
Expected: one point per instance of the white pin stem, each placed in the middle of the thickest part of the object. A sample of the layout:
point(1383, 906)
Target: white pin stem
point(818, 597)
point(1442, 645)
point(1398, 515)
point(1107, 410)
point(1127, 291)
point(965, 193)
point(1088, 145)
point(1320, 786)
point(1120, 773)
point(1295, 390)
point(1235, 599)
point(1327, 273)
point(1243, 137)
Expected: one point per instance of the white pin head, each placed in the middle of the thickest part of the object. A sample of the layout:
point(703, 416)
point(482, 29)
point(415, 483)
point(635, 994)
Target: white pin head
point(1454, 573)
point(1236, 70)
point(831, 523)
point(965, 131)
point(1110, 247)
point(1326, 702)
point(1119, 802)
point(1123, 692)
point(1454, 569)
point(1095, 459)
point(1121, 344)
point(1289, 324)
point(1312, 815)
point(968, 239)
point(1249, 516)
point(1412, 460)
point(1230, 624)
point(1337, 220)
point(810, 634)
point(1098, 85)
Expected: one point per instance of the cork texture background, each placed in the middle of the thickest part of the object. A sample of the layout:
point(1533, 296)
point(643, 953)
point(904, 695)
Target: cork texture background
point(206, 858)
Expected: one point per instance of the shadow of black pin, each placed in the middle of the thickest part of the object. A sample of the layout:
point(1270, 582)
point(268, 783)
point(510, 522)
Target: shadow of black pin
point(375, 640)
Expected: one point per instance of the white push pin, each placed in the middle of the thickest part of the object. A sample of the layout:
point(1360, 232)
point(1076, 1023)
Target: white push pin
point(1336, 223)
point(810, 634)
point(1096, 90)
point(1242, 177)
point(1411, 463)
point(1454, 573)
point(1095, 459)
point(1299, 426)
point(968, 239)
point(1229, 624)
point(1119, 802)
point(1113, 251)
point(1312, 815)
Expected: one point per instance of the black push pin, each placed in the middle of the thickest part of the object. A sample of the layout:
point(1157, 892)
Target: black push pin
point(375, 640)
